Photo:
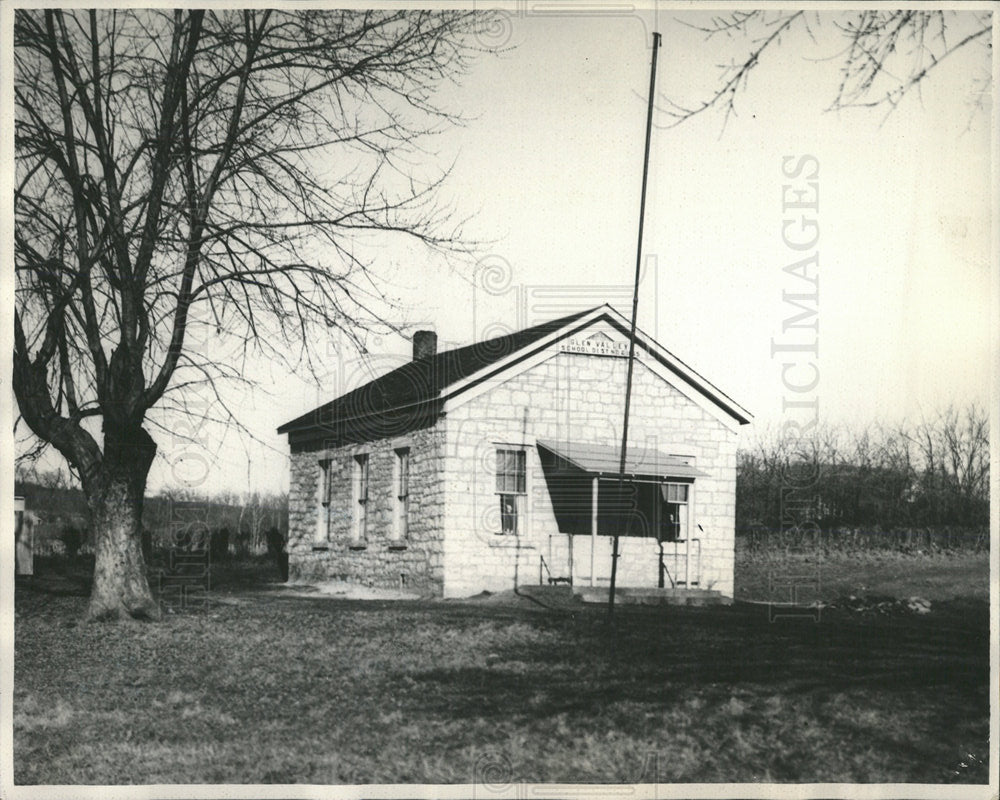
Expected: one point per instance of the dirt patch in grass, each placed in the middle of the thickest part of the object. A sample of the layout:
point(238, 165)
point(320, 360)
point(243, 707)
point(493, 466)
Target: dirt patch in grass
point(280, 689)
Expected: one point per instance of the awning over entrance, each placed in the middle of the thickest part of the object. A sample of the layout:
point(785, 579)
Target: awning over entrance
point(605, 460)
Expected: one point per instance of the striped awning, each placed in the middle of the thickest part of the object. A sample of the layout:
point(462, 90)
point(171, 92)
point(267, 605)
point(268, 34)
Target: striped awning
point(605, 460)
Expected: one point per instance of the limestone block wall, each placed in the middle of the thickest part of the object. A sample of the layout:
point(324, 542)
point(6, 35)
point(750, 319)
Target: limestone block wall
point(575, 397)
point(413, 564)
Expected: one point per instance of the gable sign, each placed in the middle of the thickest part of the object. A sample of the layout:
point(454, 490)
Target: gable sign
point(598, 344)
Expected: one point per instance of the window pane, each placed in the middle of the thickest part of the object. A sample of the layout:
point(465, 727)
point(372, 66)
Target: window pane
point(362, 471)
point(503, 471)
point(508, 513)
point(325, 479)
point(676, 492)
point(669, 523)
point(510, 471)
point(404, 472)
point(321, 533)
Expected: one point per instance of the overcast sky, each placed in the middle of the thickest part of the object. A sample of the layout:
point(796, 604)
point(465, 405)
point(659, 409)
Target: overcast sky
point(548, 169)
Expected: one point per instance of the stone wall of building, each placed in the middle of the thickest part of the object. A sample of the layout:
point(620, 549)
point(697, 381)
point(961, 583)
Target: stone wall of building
point(579, 398)
point(333, 550)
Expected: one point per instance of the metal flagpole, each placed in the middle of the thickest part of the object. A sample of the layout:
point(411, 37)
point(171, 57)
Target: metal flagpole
point(631, 338)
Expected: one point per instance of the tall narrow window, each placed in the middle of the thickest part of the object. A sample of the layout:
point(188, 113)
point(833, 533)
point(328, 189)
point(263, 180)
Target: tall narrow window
point(402, 493)
point(674, 512)
point(321, 535)
point(510, 487)
point(361, 497)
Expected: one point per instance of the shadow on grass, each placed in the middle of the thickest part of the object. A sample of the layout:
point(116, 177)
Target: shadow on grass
point(265, 681)
point(655, 659)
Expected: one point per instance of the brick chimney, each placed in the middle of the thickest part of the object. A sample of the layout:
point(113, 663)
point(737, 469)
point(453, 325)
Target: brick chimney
point(424, 344)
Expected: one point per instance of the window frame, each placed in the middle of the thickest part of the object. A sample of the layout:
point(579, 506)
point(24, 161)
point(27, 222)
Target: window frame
point(683, 506)
point(401, 493)
point(361, 482)
point(676, 485)
point(324, 481)
point(510, 484)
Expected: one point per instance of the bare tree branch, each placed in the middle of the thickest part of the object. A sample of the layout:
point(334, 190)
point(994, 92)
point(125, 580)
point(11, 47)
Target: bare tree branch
point(884, 55)
point(211, 171)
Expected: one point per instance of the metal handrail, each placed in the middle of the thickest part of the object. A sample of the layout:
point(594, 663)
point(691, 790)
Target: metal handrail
point(541, 563)
point(698, 567)
point(552, 578)
point(687, 560)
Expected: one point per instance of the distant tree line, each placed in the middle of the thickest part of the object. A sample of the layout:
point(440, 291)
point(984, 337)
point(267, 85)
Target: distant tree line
point(229, 523)
point(932, 475)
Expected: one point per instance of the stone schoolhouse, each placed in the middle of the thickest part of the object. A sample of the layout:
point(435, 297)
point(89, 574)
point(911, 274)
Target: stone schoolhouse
point(496, 465)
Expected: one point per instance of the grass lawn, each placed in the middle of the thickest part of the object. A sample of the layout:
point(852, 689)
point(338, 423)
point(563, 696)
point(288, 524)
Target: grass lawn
point(934, 577)
point(269, 687)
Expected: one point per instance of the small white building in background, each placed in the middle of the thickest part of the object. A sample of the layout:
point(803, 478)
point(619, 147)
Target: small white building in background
point(496, 465)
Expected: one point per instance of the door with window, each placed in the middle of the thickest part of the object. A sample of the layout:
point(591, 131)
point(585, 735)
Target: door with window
point(673, 512)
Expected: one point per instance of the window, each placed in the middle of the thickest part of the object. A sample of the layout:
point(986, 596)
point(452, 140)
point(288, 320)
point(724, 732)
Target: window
point(361, 496)
point(674, 512)
point(322, 532)
point(675, 492)
point(510, 487)
point(401, 480)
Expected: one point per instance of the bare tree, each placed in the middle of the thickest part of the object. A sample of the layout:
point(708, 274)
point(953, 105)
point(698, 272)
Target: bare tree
point(932, 472)
point(883, 54)
point(257, 512)
point(954, 456)
point(221, 170)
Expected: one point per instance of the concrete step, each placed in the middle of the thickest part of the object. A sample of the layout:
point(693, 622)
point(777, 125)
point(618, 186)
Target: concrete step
point(677, 596)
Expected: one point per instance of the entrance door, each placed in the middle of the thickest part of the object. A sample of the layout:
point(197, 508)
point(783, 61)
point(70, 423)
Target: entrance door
point(673, 512)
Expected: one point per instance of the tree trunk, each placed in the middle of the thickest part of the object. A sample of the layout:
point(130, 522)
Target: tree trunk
point(115, 498)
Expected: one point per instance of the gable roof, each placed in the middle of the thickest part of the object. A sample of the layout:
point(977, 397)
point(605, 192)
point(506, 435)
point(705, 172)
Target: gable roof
point(421, 386)
point(422, 380)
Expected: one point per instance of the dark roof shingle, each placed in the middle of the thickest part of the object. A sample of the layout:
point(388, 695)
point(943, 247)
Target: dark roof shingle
point(421, 381)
